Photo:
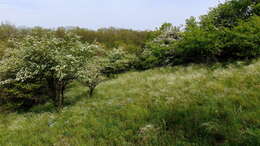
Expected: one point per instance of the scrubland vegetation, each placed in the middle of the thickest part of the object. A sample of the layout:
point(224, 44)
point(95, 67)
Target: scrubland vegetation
point(193, 105)
point(193, 85)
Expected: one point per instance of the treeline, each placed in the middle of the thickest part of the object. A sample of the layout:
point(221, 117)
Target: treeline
point(111, 37)
point(38, 64)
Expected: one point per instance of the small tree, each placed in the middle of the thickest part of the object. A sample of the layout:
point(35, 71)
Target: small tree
point(57, 61)
point(92, 75)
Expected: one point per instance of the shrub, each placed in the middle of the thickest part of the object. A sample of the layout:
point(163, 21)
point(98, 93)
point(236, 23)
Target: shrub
point(230, 13)
point(118, 61)
point(159, 50)
point(92, 76)
point(198, 45)
point(228, 32)
point(55, 61)
point(242, 41)
point(203, 41)
point(2, 48)
point(23, 95)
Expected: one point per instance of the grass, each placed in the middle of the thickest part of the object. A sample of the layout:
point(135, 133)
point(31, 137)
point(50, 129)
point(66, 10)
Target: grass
point(192, 105)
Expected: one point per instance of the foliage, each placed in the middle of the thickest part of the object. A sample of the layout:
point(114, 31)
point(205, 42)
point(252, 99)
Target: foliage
point(2, 49)
point(6, 31)
point(158, 49)
point(46, 47)
point(200, 44)
point(131, 40)
point(118, 61)
point(92, 76)
point(228, 32)
point(230, 13)
point(46, 58)
point(242, 41)
point(114, 37)
point(197, 44)
point(23, 95)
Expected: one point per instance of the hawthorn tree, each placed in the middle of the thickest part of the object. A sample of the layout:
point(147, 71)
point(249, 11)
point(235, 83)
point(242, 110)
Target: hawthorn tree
point(92, 75)
point(57, 61)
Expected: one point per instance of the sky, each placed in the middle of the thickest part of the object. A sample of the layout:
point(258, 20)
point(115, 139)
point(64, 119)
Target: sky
point(94, 14)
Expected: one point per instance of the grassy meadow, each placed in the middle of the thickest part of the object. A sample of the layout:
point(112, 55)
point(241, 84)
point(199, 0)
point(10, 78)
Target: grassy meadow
point(182, 105)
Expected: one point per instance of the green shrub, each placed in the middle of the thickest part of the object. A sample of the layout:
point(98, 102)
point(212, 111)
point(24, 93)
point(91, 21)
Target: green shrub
point(242, 41)
point(159, 49)
point(229, 13)
point(23, 95)
point(2, 48)
point(42, 57)
point(198, 45)
point(228, 32)
point(118, 61)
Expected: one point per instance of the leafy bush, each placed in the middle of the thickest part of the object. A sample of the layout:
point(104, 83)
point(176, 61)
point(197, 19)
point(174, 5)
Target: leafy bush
point(159, 48)
point(2, 48)
point(91, 76)
point(201, 44)
point(113, 37)
point(243, 41)
point(23, 95)
point(230, 13)
point(55, 61)
point(228, 32)
point(118, 61)
point(197, 44)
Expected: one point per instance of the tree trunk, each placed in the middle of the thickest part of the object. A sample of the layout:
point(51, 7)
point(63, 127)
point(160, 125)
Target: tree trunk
point(91, 91)
point(59, 104)
point(60, 91)
point(56, 92)
point(62, 94)
point(52, 90)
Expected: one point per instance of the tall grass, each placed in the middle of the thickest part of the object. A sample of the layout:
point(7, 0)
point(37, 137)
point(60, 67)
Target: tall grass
point(192, 105)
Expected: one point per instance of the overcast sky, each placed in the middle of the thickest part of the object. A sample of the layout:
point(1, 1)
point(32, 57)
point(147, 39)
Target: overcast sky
point(93, 14)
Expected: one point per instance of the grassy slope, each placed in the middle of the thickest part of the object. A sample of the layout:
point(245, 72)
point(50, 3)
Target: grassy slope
point(164, 106)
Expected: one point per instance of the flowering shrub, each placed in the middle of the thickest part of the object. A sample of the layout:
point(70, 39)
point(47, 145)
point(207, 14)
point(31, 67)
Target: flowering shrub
point(118, 61)
point(159, 50)
point(91, 75)
point(57, 61)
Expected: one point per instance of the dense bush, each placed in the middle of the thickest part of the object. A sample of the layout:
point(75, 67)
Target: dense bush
point(243, 41)
point(131, 40)
point(197, 44)
point(230, 13)
point(45, 58)
point(158, 50)
point(2, 49)
point(92, 74)
point(23, 95)
point(118, 61)
point(228, 32)
point(51, 59)
point(42, 64)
